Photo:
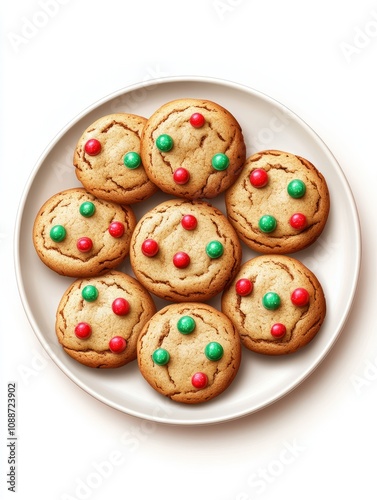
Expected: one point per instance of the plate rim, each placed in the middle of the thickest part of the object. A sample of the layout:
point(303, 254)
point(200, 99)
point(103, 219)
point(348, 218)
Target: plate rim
point(20, 281)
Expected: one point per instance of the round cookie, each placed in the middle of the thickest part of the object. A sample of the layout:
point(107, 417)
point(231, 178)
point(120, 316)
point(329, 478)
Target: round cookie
point(276, 304)
point(185, 251)
point(107, 159)
point(76, 234)
point(279, 204)
point(189, 352)
point(192, 148)
point(99, 319)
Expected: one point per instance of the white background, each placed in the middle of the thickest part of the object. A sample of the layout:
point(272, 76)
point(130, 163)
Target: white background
point(316, 57)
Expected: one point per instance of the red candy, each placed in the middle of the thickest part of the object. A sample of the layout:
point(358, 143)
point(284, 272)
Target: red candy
point(244, 287)
point(197, 120)
point(181, 260)
point(300, 297)
point(189, 222)
point(181, 176)
point(84, 244)
point(278, 330)
point(120, 306)
point(92, 147)
point(83, 330)
point(298, 221)
point(117, 345)
point(116, 229)
point(149, 248)
point(258, 178)
point(199, 380)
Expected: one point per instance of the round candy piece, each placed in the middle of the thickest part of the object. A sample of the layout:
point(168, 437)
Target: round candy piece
point(181, 260)
point(296, 188)
point(258, 178)
point(220, 161)
point(84, 244)
point(186, 325)
point(278, 330)
point(92, 147)
point(164, 142)
point(116, 229)
point(298, 221)
point(197, 120)
point(89, 293)
point(87, 209)
point(214, 351)
point(117, 344)
point(161, 356)
point(244, 287)
point(214, 249)
point(271, 301)
point(120, 306)
point(58, 233)
point(199, 380)
point(189, 222)
point(181, 176)
point(300, 297)
point(267, 223)
point(132, 160)
point(149, 247)
point(83, 330)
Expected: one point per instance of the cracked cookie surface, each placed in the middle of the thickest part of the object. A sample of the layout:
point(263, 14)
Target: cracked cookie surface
point(76, 234)
point(203, 240)
point(195, 369)
point(91, 302)
point(276, 304)
point(103, 168)
point(198, 130)
point(289, 208)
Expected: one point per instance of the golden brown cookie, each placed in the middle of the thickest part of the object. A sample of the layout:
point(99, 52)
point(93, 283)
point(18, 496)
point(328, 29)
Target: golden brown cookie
point(276, 304)
point(189, 352)
point(192, 148)
point(99, 319)
point(279, 204)
point(185, 251)
point(76, 234)
point(107, 159)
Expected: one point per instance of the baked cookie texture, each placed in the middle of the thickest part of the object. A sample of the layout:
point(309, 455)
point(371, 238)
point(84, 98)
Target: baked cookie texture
point(99, 319)
point(107, 159)
point(185, 251)
point(276, 304)
point(279, 204)
point(76, 234)
point(192, 148)
point(189, 352)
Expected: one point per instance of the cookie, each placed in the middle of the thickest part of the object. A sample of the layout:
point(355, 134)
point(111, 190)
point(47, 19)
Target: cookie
point(192, 148)
point(107, 159)
point(76, 234)
point(99, 319)
point(185, 251)
point(279, 204)
point(189, 352)
point(276, 304)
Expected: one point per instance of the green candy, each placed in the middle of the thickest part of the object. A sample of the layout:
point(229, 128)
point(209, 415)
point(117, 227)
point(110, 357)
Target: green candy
point(296, 188)
point(214, 249)
point(267, 223)
point(214, 351)
point(161, 356)
point(186, 325)
point(271, 301)
point(132, 160)
point(220, 161)
point(87, 209)
point(89, 293)
point(164, 142)
point(58, 233)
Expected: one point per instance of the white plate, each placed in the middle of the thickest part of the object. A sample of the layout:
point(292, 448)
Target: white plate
point(334, 258)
